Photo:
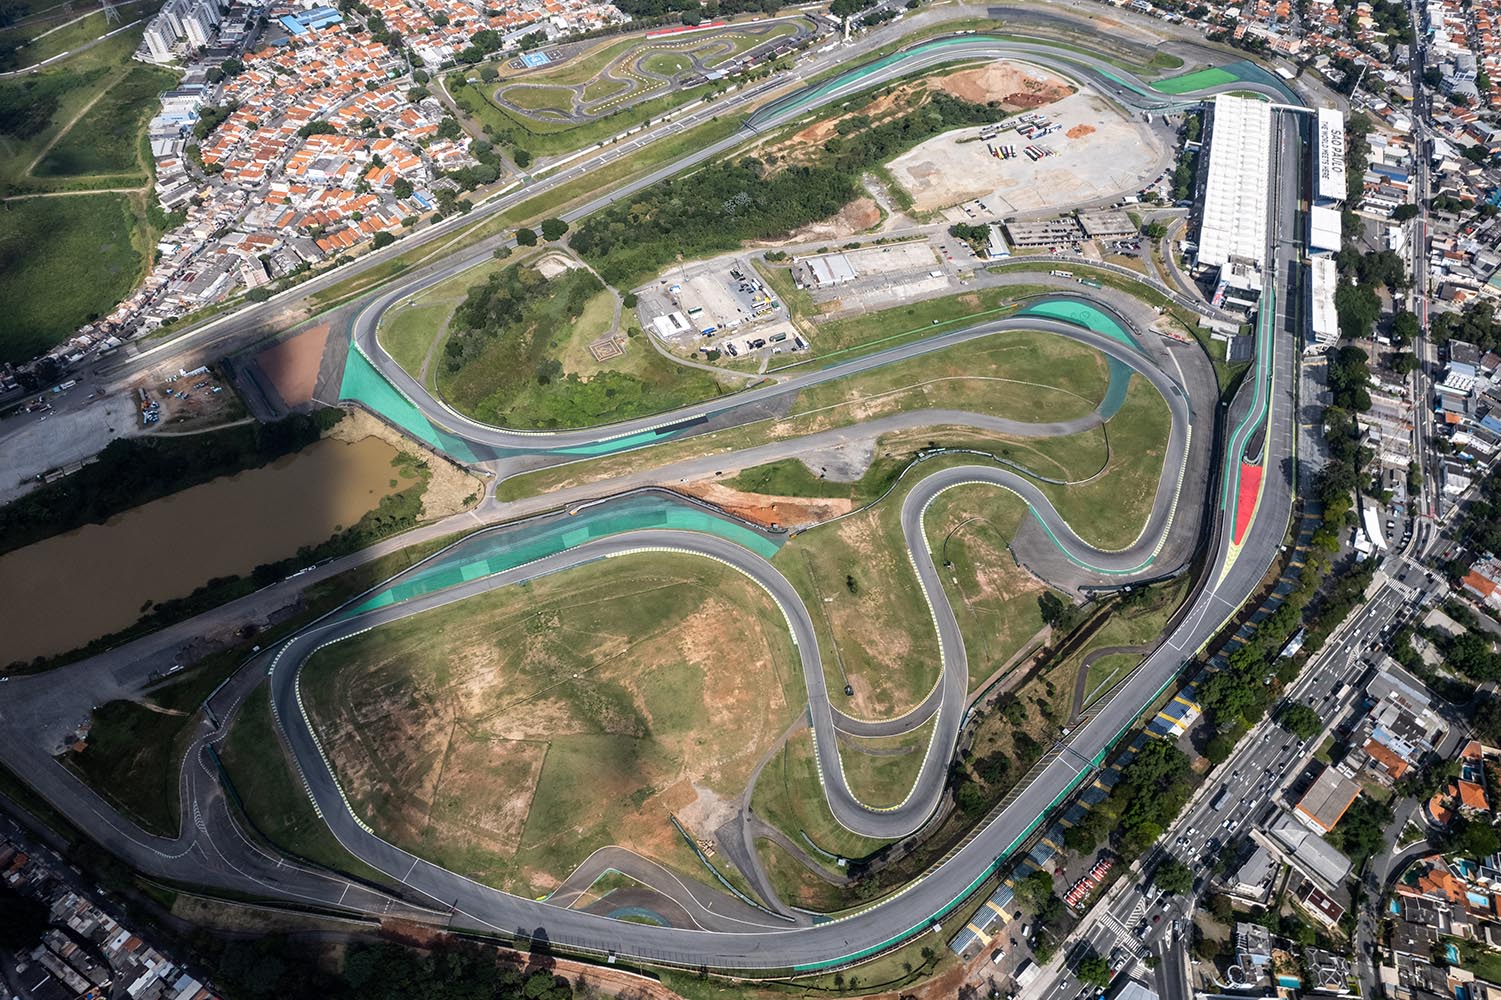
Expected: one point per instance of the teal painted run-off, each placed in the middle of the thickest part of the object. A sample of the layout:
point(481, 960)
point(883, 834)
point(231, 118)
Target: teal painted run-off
point(506, 548)
point(364, 384)
point(1085, 315)
point(1115, 392)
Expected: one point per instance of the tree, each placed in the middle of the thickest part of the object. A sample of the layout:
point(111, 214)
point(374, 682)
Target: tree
point(1473, 839)
point(1034, 890)
point(1405, 328)
point(316, 128)
point(1300, 720)
point(629, 300)
point(1404, 213)
point(402, 188)
point(1173, 877)
point(522, 157)
point(383, 239)
point(1154, 230)
point(1094, 970)
point(553, 229)
point(526, 237)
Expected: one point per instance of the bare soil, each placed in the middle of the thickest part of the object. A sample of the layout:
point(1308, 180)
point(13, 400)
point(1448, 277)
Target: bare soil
point(292, 365)
point(1079, 131)
point(1015, 86)
point(783, 512)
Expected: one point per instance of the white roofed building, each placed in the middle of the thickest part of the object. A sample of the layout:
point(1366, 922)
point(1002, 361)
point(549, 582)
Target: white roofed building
point(1234, 220)
point(1323, 326)
point(1329, 157)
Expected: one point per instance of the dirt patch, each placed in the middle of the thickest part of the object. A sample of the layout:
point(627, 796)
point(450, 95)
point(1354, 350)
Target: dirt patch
point(1013, 85)
point(511, 737)
point(859, 216)
point(292, 365)
point(782, 512)
point(1079, 131)
point(449, 489)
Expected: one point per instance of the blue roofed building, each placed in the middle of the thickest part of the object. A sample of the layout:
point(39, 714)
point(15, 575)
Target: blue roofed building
point(312, 19)
point(987, 923)
point(1173, 720)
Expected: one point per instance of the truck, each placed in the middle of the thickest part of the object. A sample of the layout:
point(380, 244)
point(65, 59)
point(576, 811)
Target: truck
point(1220, 798)
point(1062, 274)
point(1092, 283)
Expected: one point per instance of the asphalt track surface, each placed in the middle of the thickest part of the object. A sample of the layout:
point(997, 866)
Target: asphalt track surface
point(212, 849)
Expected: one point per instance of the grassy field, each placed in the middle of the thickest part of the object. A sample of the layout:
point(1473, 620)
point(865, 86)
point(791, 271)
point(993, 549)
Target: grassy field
point(666, 63)
point(881, 771)
point(1111, 510)
point(1107, 671)
point(540, 372)
point(795, 884)
point(969, 531)
point(270, 791)
point(789, 796)
point(64, 261)
point(408, 331)
point(510, 735)
point(1020, 374)
point(106, 140)
point(40, 38)
point(134, 747)
point(535, 97)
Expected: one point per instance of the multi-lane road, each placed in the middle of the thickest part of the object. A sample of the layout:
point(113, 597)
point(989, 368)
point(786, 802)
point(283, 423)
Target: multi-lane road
point(212, 850)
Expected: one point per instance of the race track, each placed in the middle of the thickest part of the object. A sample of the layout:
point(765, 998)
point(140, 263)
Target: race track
point(212, 850)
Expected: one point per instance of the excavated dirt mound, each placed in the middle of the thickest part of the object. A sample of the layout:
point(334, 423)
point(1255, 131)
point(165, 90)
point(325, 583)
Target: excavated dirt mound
point(1013, 85)
point(785, 512)
point(1079, 131)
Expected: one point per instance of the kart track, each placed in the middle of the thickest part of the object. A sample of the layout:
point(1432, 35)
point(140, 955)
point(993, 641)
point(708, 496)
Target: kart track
point(213, 850)
point(638, 73)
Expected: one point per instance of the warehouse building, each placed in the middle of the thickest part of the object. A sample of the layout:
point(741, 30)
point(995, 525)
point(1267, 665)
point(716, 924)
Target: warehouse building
point(823, 271)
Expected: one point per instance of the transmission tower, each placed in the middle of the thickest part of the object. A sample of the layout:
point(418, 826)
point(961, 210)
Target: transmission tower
point(111, 14)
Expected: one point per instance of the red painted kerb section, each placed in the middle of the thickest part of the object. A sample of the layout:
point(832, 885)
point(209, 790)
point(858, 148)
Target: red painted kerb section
point(1245, 503)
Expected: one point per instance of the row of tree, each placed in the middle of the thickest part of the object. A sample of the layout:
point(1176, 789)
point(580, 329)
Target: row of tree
point(723, 205)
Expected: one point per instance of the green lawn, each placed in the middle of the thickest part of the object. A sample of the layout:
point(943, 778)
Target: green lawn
point(1106, 672)
point(534, 97)
point(789, 796)
point(795, 884)
point(270, 791)
point(1111, 510)
point(63, 262)
point(106, 140)
point(881, 771)
point(994, 599)
point(666, 63)
point(602, 89)
point(1019, 374)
